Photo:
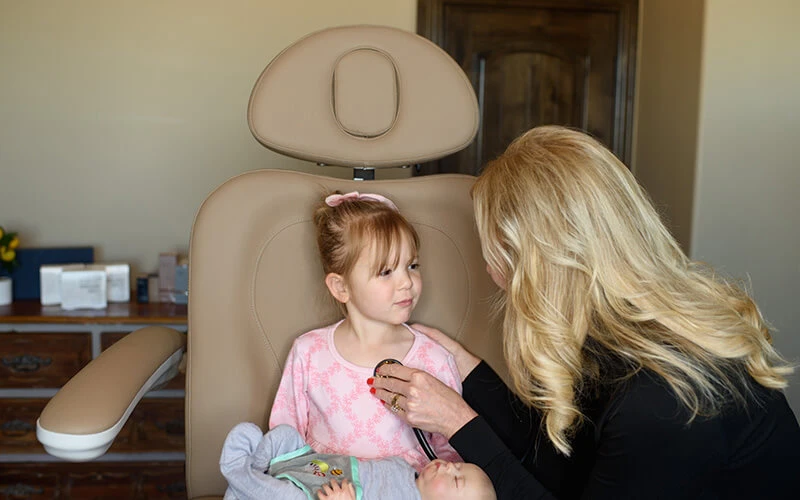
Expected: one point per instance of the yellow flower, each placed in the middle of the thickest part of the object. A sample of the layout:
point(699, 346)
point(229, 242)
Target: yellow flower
point(7, 255)
point(1, 232)
point(14, 243)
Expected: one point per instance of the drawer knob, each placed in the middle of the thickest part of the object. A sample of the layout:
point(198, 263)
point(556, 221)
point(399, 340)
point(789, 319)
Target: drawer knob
point(174, 427)
point(27, 363)
point(20, 490)
point(172, 489)
point(16, 428)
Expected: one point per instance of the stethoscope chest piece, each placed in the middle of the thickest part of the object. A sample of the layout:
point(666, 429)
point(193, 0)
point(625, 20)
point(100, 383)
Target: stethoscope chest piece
point(387, 361)
point(426, 447)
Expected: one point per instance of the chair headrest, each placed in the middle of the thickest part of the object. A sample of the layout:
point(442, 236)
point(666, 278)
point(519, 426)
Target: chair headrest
point(363, 97)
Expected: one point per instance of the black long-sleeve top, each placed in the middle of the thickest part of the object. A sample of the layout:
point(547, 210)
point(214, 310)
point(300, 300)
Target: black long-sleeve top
point(635, 443)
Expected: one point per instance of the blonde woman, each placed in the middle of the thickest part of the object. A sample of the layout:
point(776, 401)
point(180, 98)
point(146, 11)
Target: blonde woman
point(635, 372)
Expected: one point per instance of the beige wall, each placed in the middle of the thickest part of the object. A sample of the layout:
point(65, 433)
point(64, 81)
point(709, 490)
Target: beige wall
point(118, 118)
point(667, 108)
point(718, 142)
point(747, 199)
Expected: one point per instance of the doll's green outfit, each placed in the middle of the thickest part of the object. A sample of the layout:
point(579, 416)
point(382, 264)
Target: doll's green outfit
point(279, 464)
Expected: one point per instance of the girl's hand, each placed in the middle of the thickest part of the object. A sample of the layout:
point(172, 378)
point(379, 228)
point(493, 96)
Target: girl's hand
point(336, 491)
point(465, 360)
point(422, 400)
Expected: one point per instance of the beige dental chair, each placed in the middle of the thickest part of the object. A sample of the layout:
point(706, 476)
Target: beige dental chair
point(364, 97)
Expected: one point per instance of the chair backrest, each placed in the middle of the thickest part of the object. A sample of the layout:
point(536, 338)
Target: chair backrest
point(256, 282)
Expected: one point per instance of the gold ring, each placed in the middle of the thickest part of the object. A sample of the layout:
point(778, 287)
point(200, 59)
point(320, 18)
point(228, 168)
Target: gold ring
point(393, 406)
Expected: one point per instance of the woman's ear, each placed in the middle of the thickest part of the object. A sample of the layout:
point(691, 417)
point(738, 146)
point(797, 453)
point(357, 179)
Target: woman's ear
point(338, 287)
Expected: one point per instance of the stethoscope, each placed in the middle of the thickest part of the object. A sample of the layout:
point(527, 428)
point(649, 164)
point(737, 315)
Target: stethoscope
point(426, 447)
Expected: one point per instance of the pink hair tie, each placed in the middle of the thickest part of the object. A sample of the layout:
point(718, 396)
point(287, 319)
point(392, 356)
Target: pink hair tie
point(335, 200)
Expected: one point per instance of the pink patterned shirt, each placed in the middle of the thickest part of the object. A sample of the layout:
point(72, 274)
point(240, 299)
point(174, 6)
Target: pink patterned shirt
point(326, 398)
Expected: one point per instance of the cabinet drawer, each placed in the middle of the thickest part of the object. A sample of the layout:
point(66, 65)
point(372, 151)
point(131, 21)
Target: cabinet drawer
point(156, 425)
point(95, 480)
point(18, 425)
point(42, 360)
point(107, 339)
point(23, 482)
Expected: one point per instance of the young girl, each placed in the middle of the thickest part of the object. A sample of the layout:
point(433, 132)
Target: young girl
point(369, 255)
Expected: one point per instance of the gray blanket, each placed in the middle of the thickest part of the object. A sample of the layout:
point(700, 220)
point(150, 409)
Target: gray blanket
point(279, 464)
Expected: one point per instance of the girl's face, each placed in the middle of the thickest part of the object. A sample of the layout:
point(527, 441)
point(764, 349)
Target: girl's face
point(388, 296)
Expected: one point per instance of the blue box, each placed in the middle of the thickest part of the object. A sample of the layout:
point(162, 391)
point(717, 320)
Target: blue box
point(26, 277)
point(181, 292)
point(142, 296)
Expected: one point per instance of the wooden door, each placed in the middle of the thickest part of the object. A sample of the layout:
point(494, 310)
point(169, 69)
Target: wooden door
point(536, 62)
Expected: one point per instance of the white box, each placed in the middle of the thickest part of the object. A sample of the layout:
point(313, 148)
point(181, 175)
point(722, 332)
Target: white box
point(83, 289)
point(118, 281)
point(50, 282)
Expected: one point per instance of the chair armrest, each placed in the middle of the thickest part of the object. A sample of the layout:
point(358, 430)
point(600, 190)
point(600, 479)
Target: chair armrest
point(81, 421)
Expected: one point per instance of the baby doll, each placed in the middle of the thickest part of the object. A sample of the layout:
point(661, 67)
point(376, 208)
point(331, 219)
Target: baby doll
point(279, 464)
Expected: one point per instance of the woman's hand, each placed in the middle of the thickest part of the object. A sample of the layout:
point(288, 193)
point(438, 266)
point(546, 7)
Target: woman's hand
point(336, 491)
point(465, 360)
point(422, 400)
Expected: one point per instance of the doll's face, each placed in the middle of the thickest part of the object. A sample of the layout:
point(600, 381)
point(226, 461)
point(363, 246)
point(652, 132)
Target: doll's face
point(449, 480)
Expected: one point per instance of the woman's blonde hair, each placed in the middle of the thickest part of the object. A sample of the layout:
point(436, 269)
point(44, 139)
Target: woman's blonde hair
point(591, 272)
point(345, 230)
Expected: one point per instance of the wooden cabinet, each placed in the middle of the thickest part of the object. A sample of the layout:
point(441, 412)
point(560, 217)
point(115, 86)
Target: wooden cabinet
point(538, 62)
point(43, 347)
point(96, 480)
point(41, 360)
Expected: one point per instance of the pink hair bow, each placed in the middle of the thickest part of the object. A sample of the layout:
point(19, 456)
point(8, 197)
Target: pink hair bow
point(335, 200)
